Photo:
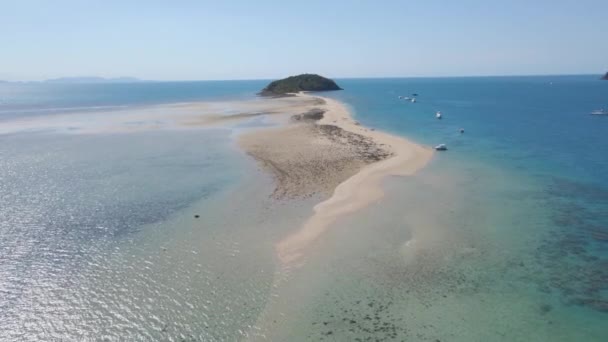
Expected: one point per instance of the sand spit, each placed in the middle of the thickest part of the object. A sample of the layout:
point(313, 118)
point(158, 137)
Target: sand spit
point(331, 155)
point(206, 113)
point(309, 159)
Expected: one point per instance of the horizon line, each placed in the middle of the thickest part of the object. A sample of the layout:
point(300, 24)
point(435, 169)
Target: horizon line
point(137, 79)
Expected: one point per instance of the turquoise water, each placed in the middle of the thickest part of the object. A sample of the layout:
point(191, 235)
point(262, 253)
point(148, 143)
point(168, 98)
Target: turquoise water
point(515, 214)
point(502, 237)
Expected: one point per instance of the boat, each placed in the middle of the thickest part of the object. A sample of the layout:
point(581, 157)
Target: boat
point(601, 111)
point(413, 99)
point(407, 98)
point(438, 115)
point(414, 94)
point(441, 147)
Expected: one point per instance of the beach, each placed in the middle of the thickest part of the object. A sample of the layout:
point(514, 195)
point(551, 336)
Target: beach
point(317, 149)
point(333, 155)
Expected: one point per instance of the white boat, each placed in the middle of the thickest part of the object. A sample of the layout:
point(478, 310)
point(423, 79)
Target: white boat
point(441, 147)
point(438, 115)
point(599, 112)
point(413, 99)
point(407, 98)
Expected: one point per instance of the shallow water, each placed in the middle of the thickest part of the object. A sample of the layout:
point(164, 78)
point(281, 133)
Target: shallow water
point(67, 201)
point(502, 237)
point(19, 100)
point(437, 260)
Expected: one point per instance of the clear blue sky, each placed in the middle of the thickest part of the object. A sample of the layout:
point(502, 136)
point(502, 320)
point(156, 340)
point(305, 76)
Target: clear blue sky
point(185, 40)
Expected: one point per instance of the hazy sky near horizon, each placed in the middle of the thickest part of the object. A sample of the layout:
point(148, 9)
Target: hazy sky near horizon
point(195, 40)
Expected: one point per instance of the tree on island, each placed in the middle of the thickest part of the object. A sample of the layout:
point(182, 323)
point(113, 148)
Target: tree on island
point(303, 82)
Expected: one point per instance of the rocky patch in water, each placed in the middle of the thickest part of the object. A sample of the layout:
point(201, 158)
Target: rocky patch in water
point(574, 255)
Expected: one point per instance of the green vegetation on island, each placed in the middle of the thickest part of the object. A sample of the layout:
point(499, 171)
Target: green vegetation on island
point(303, 82)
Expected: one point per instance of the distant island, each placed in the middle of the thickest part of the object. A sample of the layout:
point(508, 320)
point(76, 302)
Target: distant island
point(605, 77)
point(93, 79)
point(303, 82)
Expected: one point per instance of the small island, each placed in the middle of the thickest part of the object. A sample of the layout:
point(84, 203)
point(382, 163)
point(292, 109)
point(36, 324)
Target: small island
point(303, 82)
point(605, 77)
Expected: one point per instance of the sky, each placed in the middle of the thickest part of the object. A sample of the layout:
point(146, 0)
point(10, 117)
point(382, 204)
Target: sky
point(261, 39)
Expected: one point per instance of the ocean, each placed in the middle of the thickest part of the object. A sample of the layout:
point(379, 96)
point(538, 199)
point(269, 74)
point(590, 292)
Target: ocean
point(503, 237)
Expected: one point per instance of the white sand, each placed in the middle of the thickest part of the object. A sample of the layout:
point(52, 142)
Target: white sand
point(358, 191)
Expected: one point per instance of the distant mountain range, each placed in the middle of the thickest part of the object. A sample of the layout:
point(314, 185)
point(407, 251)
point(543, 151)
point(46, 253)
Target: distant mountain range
point(93, 79)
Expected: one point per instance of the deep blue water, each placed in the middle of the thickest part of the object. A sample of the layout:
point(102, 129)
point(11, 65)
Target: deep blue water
point(540, 123)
